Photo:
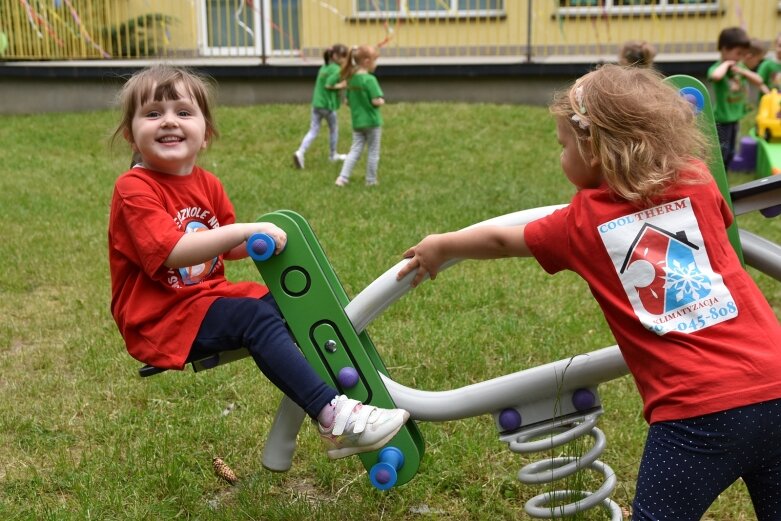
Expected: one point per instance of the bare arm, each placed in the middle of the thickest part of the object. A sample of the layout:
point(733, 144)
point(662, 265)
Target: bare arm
point(198, 247)
point(378, 102)
point(480, 242)
point(719, 72)
point(754, 78)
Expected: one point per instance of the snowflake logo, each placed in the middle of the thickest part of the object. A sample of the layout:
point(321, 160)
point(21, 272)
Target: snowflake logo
point(687, 281)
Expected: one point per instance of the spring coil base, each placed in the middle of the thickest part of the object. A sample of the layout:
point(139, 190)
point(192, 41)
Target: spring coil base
point(554, 434)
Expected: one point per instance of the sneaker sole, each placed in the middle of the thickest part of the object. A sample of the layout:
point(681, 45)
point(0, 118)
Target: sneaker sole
point(349, 451)
point(297, 162)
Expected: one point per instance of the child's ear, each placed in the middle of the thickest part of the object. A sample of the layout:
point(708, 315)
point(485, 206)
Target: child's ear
point(128, 135)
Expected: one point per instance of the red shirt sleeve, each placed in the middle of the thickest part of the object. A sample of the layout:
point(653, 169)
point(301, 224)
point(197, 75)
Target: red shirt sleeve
point(548, 240)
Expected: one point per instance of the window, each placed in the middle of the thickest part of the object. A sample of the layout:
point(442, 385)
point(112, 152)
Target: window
point(428, 8)
point(236, 27)
point(618, 7)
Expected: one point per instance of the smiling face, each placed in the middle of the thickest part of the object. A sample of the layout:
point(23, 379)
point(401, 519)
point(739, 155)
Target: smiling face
point(169, 133)
point(581, 172)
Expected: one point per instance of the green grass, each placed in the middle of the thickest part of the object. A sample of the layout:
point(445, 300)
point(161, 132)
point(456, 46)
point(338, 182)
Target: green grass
point(83, 437)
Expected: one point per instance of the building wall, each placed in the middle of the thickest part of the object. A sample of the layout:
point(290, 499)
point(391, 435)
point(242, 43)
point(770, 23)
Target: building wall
point(534, 30)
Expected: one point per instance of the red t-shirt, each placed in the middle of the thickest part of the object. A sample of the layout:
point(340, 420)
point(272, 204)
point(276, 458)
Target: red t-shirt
point(695, 331)
point(159, 310)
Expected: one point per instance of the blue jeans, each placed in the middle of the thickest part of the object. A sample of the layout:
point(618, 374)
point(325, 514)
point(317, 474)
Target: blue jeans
point(372, 139)
point(233, 323)
point(686, 464)
point(314, 129)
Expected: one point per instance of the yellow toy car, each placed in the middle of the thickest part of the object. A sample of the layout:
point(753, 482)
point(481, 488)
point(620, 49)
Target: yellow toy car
point(769, 116)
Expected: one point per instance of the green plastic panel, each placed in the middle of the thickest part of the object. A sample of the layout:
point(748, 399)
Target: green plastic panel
point(716, 165)
point(312, 301)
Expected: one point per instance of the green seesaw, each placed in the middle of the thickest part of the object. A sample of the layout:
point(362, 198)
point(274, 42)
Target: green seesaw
point(312, 300)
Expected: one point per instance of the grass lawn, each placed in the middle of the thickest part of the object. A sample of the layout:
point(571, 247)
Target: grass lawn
point(83, 437)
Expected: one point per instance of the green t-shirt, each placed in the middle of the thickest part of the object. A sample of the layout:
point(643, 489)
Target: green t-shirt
point(361, 90)
point(770, 71)
point(730, 94)
point(324, 98)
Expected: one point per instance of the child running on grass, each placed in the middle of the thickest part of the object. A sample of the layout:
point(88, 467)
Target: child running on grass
point(365, 98)
point(647, 231)
point(325, 103)
point(171, 227)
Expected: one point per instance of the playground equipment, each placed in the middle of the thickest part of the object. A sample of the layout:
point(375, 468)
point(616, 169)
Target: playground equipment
point(534, 410)
point(760, 151)
point(768, 120)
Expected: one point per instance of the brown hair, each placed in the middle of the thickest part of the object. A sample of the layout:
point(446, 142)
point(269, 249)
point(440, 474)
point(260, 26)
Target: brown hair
point(337, 50)
point(637, 54)
point(354, 58)
point(641, 129)
point(732, 37)
point(163, 82)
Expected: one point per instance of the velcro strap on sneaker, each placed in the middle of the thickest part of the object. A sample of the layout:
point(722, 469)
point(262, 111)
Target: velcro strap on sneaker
point(362, 418)
point(343, 416)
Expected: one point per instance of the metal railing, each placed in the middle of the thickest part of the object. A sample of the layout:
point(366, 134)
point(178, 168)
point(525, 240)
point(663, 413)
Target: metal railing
point(281, 31)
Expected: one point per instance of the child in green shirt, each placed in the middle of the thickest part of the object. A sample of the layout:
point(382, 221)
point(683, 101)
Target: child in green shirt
point(770, 70)
point(325, 103)
point(730, 79)
point(365, 98)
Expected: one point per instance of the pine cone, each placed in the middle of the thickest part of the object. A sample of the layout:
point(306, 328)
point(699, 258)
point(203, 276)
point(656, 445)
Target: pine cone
point(224, 471)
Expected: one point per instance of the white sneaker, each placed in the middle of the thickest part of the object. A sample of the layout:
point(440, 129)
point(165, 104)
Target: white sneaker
point(341, 181)
point(338, 157)
point(298, 159)
point(360, 428)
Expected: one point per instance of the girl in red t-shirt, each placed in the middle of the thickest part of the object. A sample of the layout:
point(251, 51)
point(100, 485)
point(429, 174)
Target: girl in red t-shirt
point(647, 231)
point(171, 227)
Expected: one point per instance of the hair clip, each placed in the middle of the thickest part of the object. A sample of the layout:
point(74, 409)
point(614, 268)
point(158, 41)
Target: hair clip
point(580, 117)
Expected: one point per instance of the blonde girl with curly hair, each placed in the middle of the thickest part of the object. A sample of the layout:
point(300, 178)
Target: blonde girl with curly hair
point(646, 230)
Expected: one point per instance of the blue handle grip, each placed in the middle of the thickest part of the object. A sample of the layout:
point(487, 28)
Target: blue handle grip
point(383, 475)
point(261, 246)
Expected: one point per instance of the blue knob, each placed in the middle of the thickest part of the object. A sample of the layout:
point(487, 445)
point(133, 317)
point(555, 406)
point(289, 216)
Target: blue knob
point(694, 97)
point(261, 246)
point(383, 475)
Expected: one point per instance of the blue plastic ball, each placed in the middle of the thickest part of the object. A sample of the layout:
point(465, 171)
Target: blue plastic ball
point(509, 419)
point(583, 399)
point(348, 377)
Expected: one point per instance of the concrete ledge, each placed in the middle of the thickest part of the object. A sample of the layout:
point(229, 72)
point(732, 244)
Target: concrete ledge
point(35, 87)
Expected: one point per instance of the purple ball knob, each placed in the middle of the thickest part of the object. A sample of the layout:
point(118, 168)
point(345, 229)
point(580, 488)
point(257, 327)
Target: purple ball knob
point(583, 399)
point(260, 246)
point(773, 211)
point(509, 419)
point(348, 377)
point(691, 99)
point(383, 476)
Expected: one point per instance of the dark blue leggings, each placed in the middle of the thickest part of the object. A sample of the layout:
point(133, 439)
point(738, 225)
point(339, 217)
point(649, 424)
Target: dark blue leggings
point(686, 464)
point(728, 137)
point(233, 323)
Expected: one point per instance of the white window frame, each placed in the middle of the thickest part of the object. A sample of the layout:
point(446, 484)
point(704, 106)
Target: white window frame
point(405, 12)
point(253, 50)
point(663, 7)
